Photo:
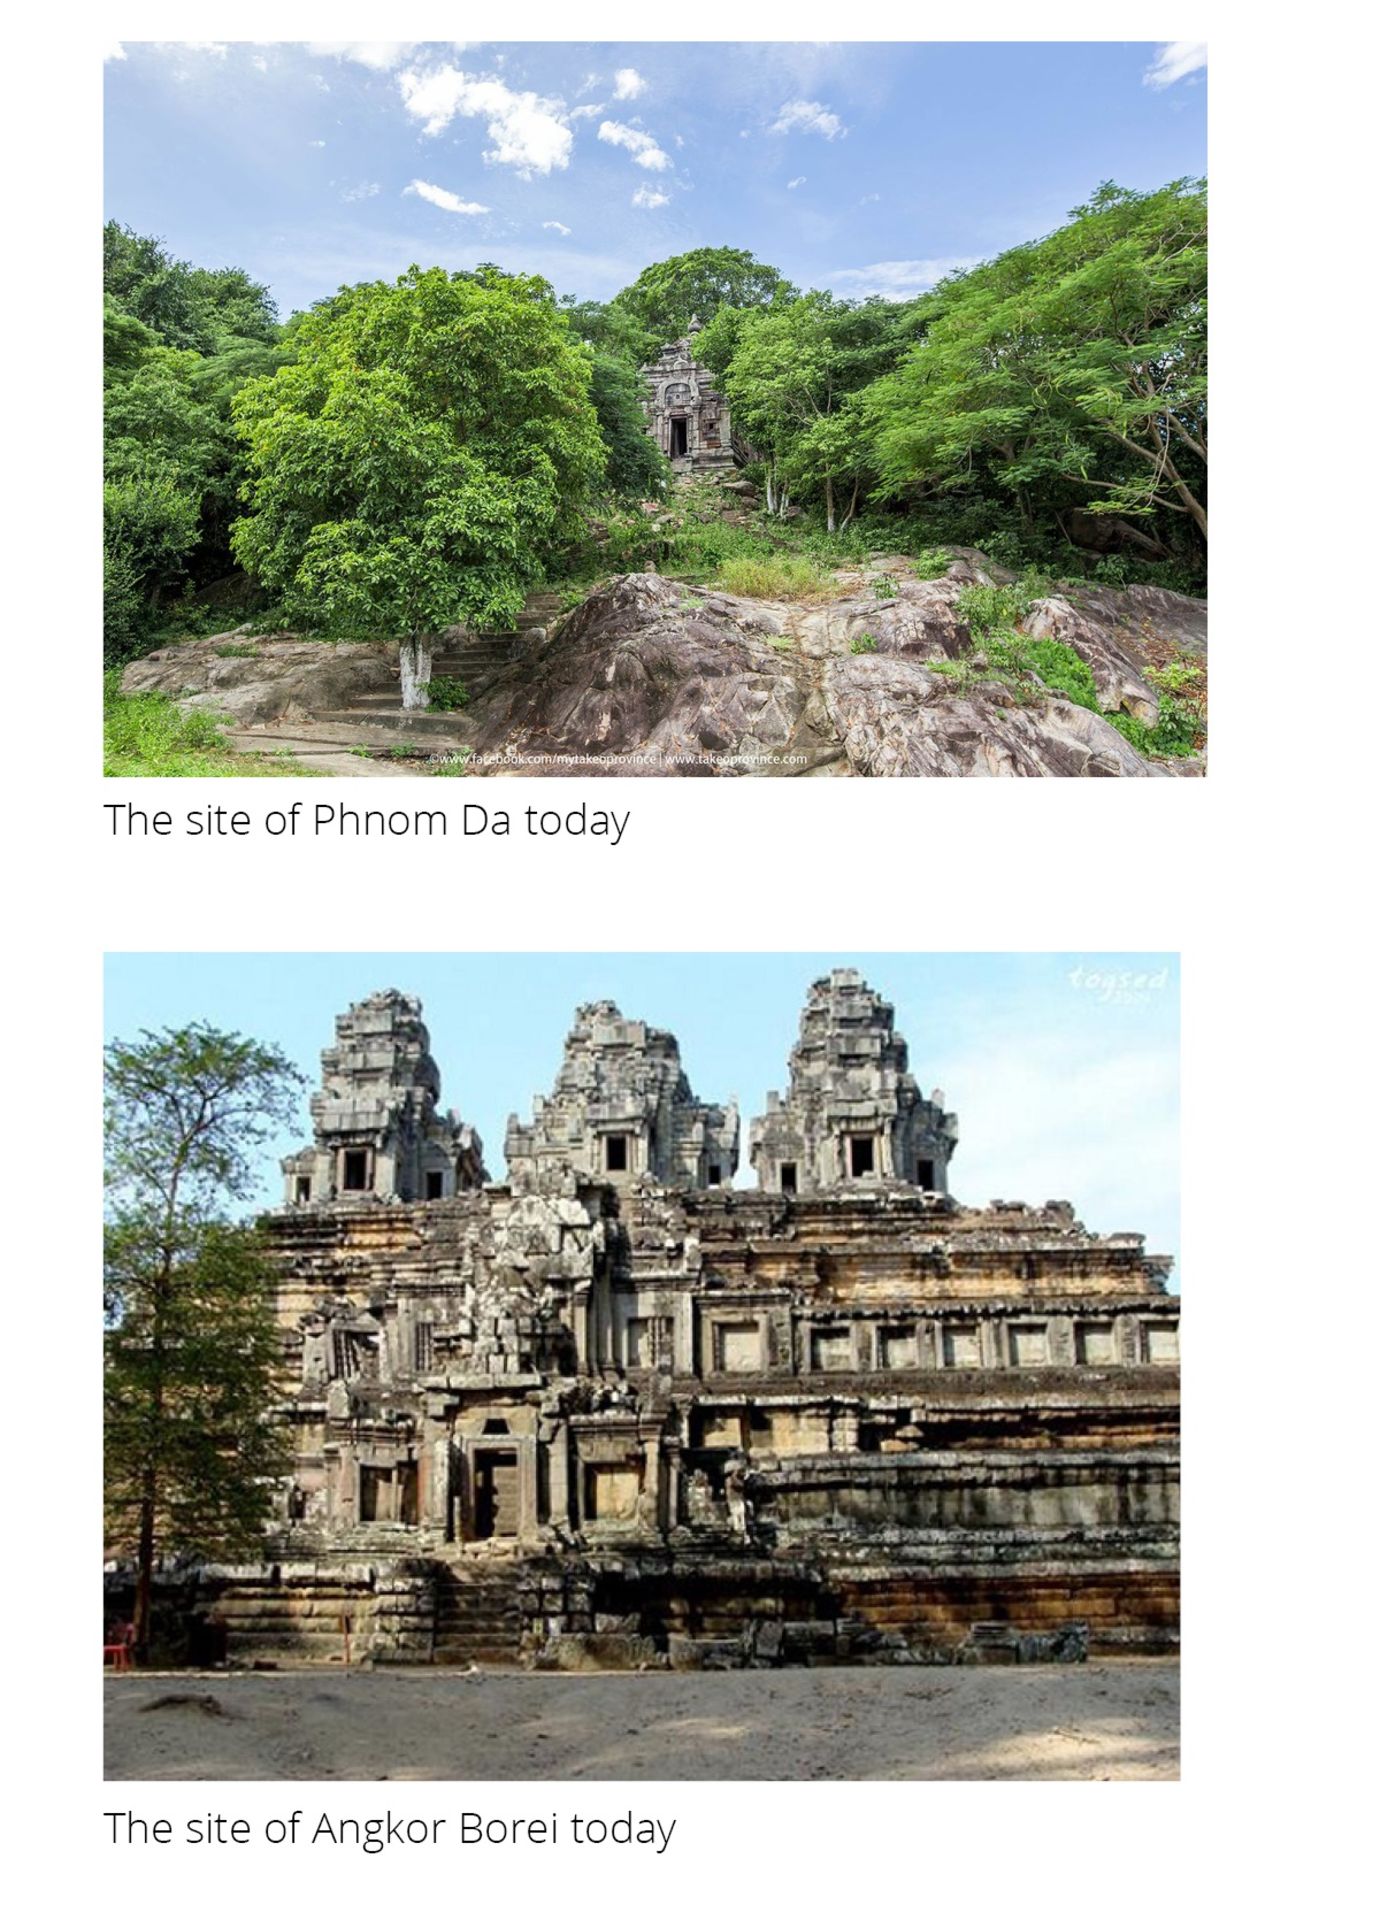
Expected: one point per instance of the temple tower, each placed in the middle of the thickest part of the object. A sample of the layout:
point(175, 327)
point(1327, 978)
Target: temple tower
point(686, 415)
point(622, 1110)
point(378, 1129)
point(853, 1111)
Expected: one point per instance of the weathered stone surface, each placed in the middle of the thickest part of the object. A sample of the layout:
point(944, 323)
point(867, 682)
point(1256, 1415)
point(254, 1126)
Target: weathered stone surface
point(622, 1110)
point(631, 1416)
point(853, 1110)
point(896, 719)
point(285, 676)
point(687, 416)
point(652, 678)
point(379, 1131)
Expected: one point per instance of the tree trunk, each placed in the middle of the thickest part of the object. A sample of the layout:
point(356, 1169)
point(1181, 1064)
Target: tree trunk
point(829, 506)
point(143, 1582)
point(414, 656)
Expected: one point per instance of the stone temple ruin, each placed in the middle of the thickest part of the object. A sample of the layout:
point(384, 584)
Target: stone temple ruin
point(686, 416)
point(616, 1411)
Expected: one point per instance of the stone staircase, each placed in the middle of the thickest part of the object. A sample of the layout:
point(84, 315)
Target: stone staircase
point(478, 1613)
point(376, 721)
point(476, 657)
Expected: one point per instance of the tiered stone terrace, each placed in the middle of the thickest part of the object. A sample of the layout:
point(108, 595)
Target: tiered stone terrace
point(617, 1411)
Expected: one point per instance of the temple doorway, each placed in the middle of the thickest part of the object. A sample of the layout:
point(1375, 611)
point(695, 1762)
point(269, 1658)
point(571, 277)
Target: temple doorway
point(680, 439)
point(495, 1494)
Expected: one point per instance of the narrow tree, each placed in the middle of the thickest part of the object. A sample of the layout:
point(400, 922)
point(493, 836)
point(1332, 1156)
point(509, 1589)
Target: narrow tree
point(190, 1348)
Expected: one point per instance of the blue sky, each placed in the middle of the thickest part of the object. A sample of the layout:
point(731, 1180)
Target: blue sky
point(1063, 1068)
point(852, 167)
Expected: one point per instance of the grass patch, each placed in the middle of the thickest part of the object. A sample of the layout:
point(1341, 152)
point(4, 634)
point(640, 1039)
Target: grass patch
point(865, 643)
point(240, 650)
point(453, 767)
point(777, 576)
point(147, 736)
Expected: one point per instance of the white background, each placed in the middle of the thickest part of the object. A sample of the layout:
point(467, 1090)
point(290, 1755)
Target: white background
point(1256, 875)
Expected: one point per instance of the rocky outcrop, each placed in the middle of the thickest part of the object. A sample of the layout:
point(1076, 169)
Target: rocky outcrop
point(251, 679)
point(1119, 631)
point(895, 718)
point(649, 676)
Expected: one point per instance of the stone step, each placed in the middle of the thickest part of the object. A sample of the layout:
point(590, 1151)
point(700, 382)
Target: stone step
point(419, 725)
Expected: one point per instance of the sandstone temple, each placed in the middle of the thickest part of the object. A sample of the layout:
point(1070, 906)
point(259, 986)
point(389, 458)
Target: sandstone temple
point(616, 1410)
point(686, 416)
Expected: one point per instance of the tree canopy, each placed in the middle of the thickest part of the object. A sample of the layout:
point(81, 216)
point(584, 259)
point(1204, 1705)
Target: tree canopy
point(178, 341)
point(1069, 372)
point(792, 374)
point(428, 443)
point(666, 296)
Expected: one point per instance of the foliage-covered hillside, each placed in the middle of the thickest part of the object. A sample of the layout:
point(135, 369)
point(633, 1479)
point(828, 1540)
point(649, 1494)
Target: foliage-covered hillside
point(403, 456)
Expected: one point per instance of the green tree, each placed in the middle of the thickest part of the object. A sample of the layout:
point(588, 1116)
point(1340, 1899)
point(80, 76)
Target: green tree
point(429, 442)
point(666, 296)
point(179, 341)
point(792, 374)
point(609, 329)
point(1069, 372)
point(190, 1346)
point(636, 466)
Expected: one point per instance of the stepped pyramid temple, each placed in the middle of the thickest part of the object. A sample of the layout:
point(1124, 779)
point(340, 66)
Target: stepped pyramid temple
point(617, 1411)
point(686, 417)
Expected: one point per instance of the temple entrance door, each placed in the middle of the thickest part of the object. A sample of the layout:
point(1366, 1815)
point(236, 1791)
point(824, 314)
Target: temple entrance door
point(495, 1495)
point(680, 439)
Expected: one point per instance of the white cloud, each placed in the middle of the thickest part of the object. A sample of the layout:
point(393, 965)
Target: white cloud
point(555, 226)
point(869, 199)
point(628, 84)
point(1175, 60)
point(116, 52)
point(366, 190)
point(316, 143)
point(260, 61)
point(640, 145)
point(808, 116)
point(379, 55)
point(590, 111)
point(799, 181)
point(528, 132)
point(443, 197)
point(217, 49)
point(649, 197)
point(901, 279)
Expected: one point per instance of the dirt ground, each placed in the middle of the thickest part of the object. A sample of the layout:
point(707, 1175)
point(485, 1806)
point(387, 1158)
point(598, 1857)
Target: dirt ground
point(1108, 1720)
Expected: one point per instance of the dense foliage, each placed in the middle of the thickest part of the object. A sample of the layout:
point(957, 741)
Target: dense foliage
point(666, 296)
point(429, 444)
point(403, 456)
point(178, 342)
point(1067, 376)
point(190, 1347)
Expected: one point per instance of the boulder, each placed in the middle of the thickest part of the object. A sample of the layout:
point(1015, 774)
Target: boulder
point(646, 668)
point(1119, 631)
point(282, 676)
point(894, 718)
